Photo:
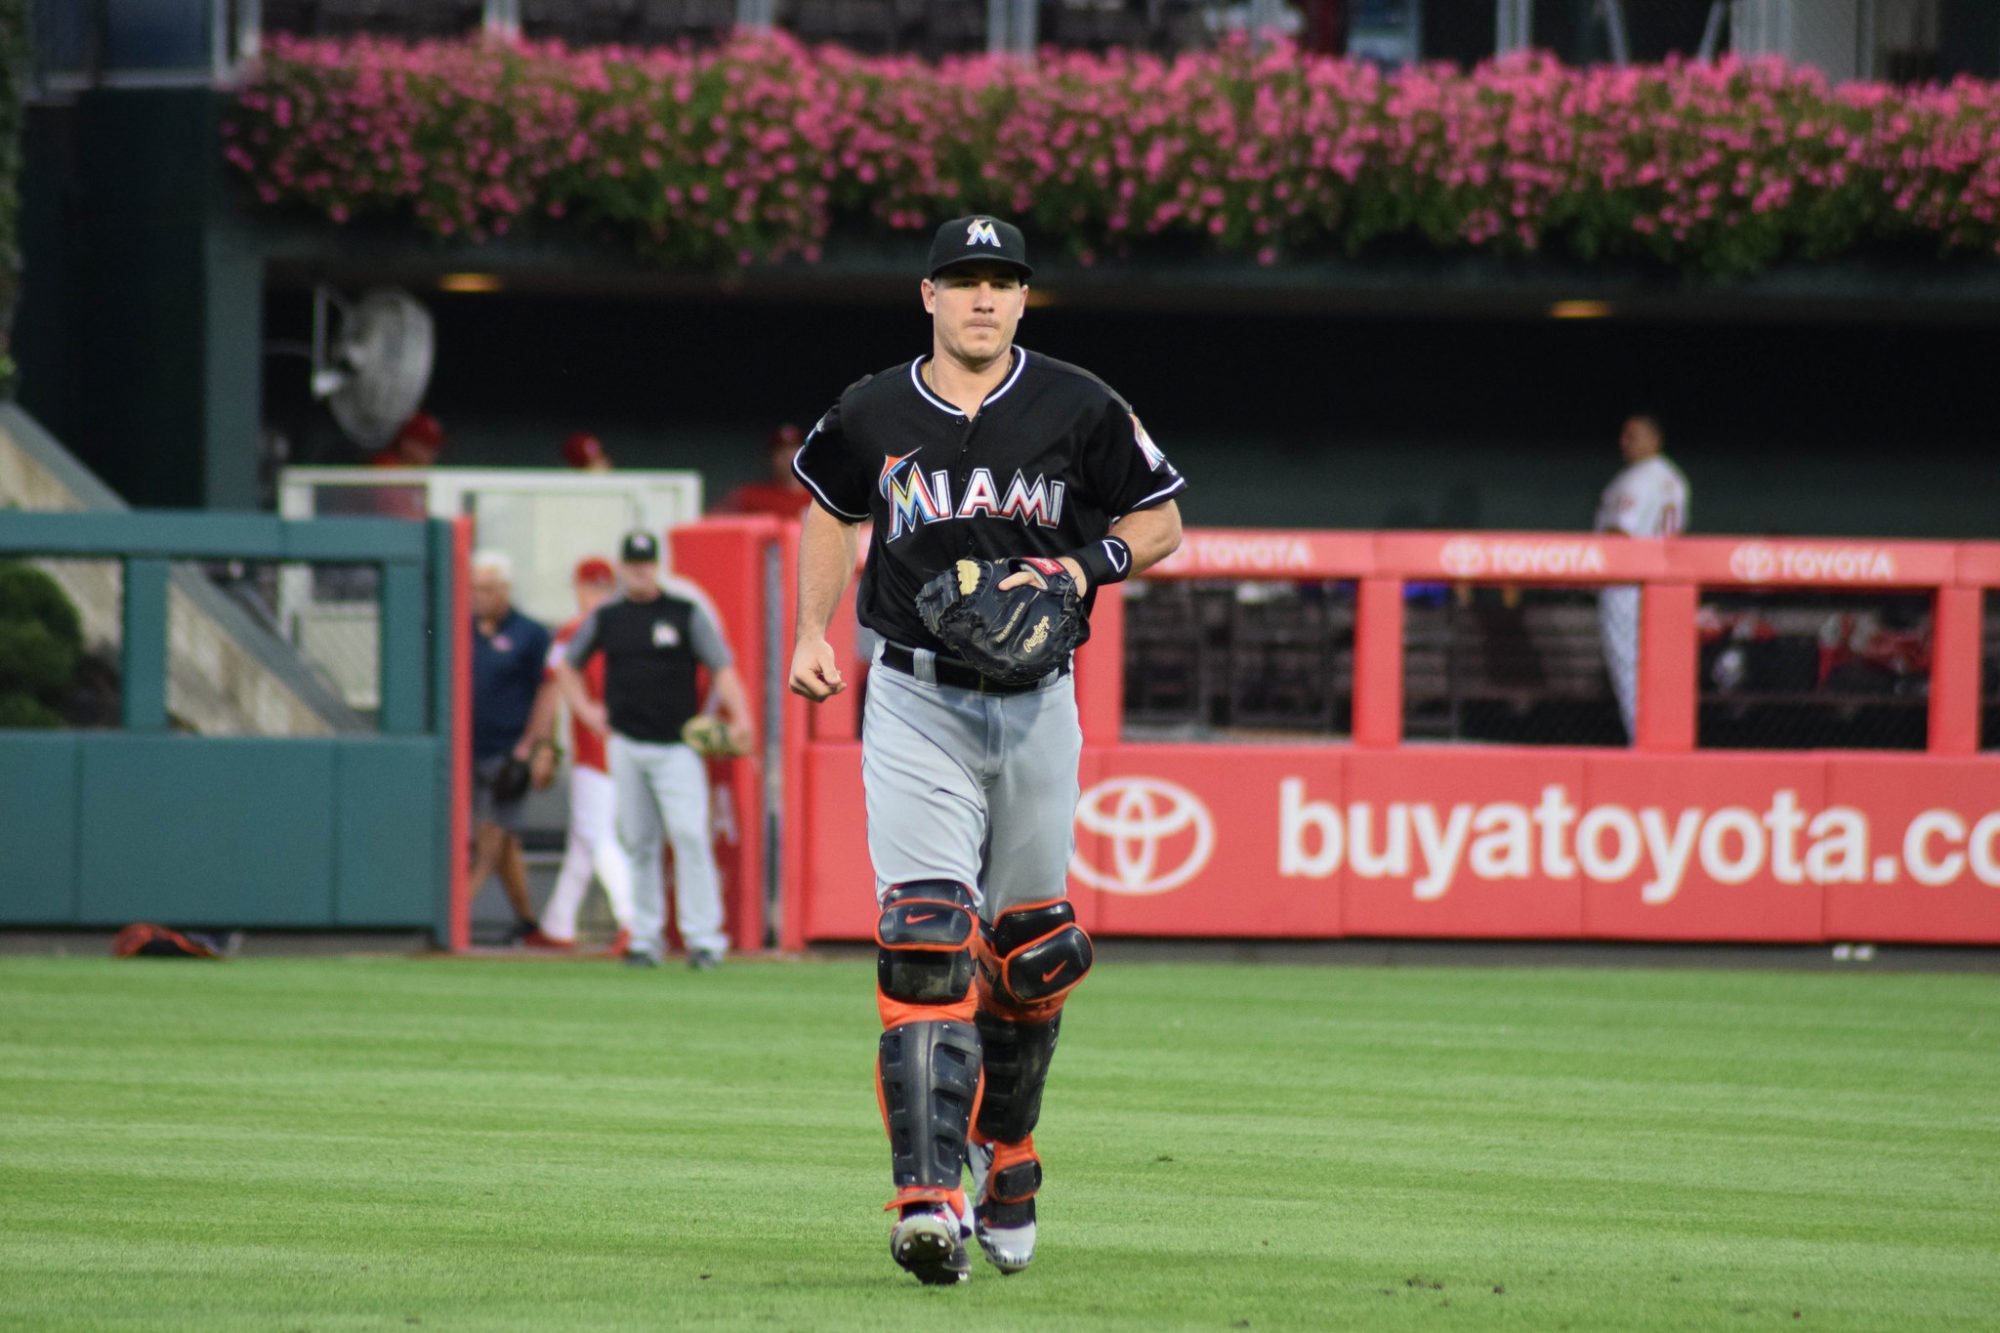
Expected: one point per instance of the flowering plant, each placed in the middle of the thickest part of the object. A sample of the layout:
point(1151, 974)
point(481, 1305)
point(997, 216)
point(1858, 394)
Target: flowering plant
point(753, 152)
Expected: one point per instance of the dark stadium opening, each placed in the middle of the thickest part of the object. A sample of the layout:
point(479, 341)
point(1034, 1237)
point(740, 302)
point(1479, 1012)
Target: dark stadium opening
point(1280, 418)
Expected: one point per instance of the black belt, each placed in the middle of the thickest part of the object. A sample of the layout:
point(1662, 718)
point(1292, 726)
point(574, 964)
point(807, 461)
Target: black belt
point(948, 672)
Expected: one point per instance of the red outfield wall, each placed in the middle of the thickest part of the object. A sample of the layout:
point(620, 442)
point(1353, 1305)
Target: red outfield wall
point(1371, 837)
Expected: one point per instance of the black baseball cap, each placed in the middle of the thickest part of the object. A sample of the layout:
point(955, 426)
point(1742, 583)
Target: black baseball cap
point(640, 548)
point(963, 240)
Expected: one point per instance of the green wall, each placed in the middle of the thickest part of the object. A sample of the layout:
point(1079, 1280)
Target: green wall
point(140, 323)
point(105, 829)
point(102, 828)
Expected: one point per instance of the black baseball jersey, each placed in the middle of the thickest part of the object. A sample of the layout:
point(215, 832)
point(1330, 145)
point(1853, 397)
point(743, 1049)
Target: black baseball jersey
point(1051, 461)
point(650, 650)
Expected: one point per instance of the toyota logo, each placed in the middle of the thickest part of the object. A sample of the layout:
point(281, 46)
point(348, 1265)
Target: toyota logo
point(1463, 556)
point(1157, 834)
point(1753, 562)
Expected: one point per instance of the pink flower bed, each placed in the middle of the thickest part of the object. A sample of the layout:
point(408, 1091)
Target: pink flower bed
point(752, 153)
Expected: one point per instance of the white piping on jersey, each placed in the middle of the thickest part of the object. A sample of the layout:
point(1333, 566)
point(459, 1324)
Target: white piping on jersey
point(800, 473)
point(916, 378)
point(1020, 364)
point(1160, 494)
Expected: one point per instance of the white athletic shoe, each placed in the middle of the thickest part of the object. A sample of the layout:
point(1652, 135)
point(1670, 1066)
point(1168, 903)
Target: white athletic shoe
point(925, 1243)
point(1008, 1248)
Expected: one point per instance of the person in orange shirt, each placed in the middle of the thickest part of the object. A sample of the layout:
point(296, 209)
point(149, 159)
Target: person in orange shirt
point(592, 845)
point(781, 493)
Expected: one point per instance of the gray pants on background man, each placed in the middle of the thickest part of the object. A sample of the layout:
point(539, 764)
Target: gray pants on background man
point(664, 787)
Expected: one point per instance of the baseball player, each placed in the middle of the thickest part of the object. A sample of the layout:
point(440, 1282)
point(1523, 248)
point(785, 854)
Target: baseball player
point(981, 451)
point(1649, 498)
point(653, 636)
point(592, 844)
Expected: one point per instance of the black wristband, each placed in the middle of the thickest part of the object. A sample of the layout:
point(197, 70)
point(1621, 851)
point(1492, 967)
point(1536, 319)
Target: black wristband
point(1107, 560)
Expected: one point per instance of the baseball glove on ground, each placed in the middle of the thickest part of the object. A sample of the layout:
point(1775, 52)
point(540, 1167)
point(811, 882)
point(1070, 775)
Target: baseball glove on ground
point(1014, 637)
point(712, 738)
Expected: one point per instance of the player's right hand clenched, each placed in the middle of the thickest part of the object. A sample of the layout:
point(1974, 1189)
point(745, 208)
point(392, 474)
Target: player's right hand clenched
point(815, 673)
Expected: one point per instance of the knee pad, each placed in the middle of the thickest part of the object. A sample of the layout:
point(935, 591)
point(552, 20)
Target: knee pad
point(927, 1077)
point(1032, 958)
point(924, 962)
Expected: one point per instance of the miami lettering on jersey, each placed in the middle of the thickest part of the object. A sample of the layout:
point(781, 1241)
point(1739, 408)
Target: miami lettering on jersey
point(916, 499)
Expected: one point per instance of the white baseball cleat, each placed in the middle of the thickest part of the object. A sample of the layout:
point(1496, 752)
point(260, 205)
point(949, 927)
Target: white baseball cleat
point(925, 1243)
point(1010, 1247)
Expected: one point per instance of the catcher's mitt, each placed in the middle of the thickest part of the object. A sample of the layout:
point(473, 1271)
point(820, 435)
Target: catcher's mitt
point(712, 738)
point(1014, 637)
point(510, 781)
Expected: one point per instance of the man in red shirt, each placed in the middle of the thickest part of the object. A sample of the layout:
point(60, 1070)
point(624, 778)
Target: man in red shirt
point(781, 493)
point(593, 841)
point(585, 452)
point(418, 443)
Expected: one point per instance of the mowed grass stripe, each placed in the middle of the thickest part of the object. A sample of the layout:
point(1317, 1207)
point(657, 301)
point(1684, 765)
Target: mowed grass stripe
point(361, 1143)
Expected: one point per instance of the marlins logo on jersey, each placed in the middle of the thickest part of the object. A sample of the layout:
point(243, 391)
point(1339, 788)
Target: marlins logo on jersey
point(916, 498)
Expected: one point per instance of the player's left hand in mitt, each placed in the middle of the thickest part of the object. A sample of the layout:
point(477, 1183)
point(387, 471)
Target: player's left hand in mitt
point(1013, 635)
point(712, 738)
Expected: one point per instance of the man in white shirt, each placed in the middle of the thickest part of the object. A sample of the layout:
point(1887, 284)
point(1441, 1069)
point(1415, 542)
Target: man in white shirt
point(1648, 499)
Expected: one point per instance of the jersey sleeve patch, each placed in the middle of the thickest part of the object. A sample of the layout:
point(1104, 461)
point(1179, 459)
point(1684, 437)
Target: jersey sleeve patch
point(1129, 469)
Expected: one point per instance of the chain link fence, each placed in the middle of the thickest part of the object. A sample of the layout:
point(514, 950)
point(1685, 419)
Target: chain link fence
point(1803, 670)
point(336, 630)
point(1520, 666)
point(1207, 658)
point(1788, 670)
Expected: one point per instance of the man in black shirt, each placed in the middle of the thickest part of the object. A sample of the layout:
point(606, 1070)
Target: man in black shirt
point(653, 636)
point(981, 449)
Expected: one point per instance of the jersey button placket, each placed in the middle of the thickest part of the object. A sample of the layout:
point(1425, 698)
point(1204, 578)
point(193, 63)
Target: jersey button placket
point(961, 473)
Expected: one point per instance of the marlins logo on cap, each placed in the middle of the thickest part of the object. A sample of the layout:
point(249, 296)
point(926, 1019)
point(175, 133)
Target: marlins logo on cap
point(639, 548)
point(981, 238)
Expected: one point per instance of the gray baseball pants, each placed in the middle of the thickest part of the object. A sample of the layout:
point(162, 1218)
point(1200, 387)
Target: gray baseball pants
point(658, 786)
point(977, 788)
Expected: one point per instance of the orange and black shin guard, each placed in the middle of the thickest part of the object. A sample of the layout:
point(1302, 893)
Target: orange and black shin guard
point(1030, 960)
point(927, 1072)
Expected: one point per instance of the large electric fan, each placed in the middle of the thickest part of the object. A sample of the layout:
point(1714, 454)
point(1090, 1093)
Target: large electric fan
point(372, 370)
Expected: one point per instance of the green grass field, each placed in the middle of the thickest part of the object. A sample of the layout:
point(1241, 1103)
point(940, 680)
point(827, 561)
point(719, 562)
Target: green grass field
point(323, 1144)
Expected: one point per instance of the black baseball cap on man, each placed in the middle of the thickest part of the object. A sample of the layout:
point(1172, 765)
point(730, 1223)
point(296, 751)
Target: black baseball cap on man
point(640, 548)
point(964, 240)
